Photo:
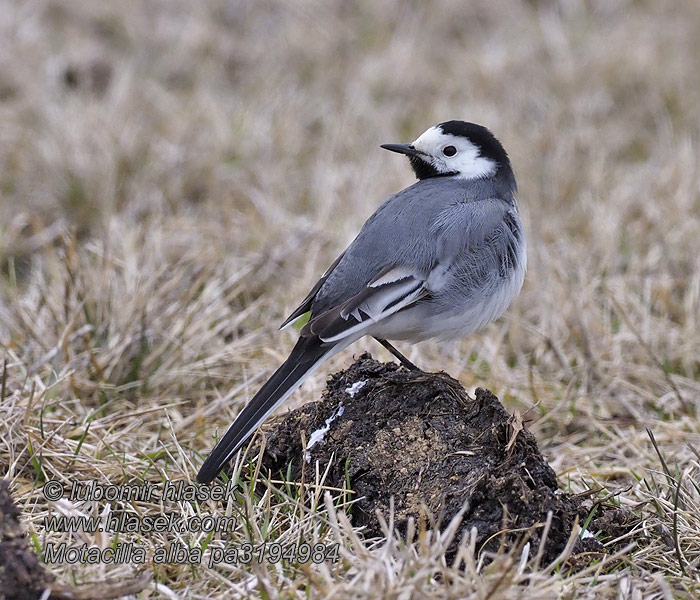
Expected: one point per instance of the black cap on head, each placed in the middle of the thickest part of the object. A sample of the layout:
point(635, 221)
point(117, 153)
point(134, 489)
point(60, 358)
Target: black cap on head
point(434, 161)
point(481, 137)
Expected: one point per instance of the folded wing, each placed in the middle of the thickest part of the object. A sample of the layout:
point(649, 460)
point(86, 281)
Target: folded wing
point(393, 289)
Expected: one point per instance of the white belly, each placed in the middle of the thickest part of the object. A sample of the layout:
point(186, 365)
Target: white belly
point(479, 314)
point(421, 323)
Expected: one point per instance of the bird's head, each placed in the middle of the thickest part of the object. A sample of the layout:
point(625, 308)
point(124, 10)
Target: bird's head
point(456, 148)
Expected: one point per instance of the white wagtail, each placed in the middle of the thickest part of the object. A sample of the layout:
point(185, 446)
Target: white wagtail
point(440, 259)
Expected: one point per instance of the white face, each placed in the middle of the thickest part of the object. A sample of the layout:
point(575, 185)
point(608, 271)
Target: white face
point(437, 146)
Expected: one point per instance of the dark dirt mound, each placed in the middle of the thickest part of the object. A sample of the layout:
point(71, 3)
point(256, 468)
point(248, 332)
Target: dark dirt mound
point(21, 574)
point(418, 437)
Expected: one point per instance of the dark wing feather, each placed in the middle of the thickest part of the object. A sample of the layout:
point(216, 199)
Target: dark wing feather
point(370, 305)
point(305, 357)
point(306, 303)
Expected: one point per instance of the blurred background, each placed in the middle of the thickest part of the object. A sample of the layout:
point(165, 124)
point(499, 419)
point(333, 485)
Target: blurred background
point(175, 175)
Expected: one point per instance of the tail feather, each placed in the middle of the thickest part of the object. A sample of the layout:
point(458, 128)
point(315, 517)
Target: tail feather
point(308, 354)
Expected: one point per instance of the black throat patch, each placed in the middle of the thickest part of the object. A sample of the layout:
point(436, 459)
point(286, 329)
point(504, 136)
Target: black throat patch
point(424, 170)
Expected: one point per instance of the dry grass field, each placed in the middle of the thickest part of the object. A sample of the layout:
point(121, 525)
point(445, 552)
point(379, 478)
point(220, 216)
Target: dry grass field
point(175, 175)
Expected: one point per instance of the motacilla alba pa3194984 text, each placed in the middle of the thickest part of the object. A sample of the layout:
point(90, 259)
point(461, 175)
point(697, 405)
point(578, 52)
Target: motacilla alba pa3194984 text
point(440, 259)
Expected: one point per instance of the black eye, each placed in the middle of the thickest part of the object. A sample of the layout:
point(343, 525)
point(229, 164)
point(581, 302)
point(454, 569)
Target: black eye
point(449, 150)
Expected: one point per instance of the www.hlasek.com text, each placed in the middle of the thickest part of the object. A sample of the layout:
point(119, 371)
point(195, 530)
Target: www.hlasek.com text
point(129, 522)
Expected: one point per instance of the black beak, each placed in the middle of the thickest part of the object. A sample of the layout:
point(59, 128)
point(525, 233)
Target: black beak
point(406, 149)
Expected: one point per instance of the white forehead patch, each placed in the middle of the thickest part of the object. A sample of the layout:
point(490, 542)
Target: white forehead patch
point(466, 162)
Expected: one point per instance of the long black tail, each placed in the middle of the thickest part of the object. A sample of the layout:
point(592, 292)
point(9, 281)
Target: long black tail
point(308, 353)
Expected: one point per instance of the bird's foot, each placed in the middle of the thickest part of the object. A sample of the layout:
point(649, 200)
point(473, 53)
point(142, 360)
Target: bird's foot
point(402, 359)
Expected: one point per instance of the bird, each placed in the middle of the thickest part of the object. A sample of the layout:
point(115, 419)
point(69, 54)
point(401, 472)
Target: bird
point(440, 259)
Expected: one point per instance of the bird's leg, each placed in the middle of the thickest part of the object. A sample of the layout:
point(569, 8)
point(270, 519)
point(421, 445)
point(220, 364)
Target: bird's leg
point(402, 359)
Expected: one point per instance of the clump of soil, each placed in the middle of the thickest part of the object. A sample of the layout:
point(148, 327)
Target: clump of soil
point(21, 574)
point(419, 438)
